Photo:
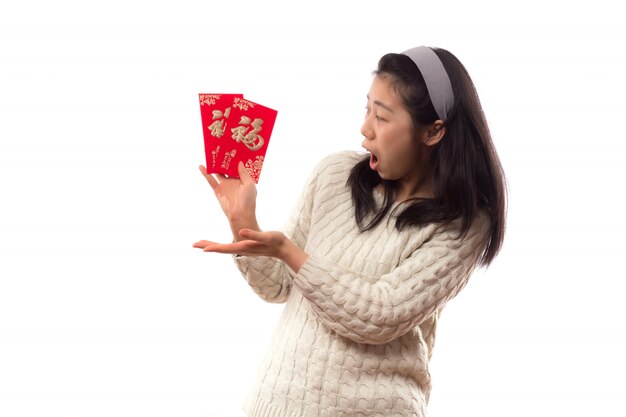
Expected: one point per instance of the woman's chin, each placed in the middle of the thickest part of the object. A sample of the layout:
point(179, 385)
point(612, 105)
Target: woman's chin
point(382, 174)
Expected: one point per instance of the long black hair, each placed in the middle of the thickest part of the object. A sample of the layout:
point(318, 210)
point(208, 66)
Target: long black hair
point(466, 171)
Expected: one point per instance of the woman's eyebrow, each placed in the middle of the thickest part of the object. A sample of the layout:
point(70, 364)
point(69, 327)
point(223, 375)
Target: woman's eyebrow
point(381, 104)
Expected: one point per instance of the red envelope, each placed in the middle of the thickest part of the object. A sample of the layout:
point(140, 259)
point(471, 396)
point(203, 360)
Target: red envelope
point(246, 139)
point(215, 113)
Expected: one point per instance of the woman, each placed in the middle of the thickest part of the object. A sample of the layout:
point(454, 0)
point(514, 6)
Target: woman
point(377, 245)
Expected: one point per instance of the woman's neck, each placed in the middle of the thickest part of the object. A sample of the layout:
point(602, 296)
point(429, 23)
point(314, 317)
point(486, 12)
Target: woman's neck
point(421, 187)
point(403, 193)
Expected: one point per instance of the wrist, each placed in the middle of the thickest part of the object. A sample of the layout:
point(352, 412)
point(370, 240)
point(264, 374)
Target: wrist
point(292, 255)
point(236, 226)
point(242, 216)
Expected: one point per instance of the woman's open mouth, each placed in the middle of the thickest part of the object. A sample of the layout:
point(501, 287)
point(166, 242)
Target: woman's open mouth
point(373, 162)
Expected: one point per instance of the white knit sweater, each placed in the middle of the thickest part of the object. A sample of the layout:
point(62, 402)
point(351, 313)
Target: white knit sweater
point(358, 328)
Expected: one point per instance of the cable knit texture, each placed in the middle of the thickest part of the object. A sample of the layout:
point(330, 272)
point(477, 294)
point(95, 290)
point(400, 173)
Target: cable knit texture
point(359, 323)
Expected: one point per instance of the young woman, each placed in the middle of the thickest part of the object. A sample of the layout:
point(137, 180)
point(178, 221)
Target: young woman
point(376, 246)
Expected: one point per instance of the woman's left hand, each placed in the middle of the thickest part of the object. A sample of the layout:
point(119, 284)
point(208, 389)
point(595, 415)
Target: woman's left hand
point(274, 244)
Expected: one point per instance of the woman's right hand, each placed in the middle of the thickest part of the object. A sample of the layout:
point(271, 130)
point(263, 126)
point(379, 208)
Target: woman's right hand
point(237, 197)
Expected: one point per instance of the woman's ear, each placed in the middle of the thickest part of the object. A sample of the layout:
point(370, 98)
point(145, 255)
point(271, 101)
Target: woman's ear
point(435, 133)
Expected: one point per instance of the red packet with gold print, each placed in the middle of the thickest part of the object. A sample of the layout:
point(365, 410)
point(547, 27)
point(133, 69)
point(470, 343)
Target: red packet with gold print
point(246, 139)
point(215, 113)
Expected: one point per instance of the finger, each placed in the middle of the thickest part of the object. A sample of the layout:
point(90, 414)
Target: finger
point(201, 244)
point(244, 174)
point(252, 235)
point(212, 182)
point(231, 248)
point(203, 170)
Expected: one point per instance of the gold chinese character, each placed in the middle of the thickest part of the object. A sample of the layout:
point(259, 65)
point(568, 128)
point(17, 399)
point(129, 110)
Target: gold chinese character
point(214, 153)
point(250, 138)
point(218, 126)
point(228, 157)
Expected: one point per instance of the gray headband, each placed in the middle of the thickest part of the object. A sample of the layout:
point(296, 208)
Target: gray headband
point(436, 78)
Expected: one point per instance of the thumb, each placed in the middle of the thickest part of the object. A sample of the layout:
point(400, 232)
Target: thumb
point(250, 234)
point(244, 175)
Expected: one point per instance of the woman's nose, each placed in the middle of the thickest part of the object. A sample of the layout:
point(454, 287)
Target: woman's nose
point(366, 131)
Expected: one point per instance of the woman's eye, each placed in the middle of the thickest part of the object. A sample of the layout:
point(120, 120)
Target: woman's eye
point(367, 112)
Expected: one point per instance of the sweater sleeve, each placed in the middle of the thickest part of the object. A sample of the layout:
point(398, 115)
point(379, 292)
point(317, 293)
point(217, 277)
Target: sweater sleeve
point(270, 278)
point(376, 313)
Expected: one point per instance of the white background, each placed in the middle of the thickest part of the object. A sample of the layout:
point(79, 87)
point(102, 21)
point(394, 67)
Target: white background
point(105, 308)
